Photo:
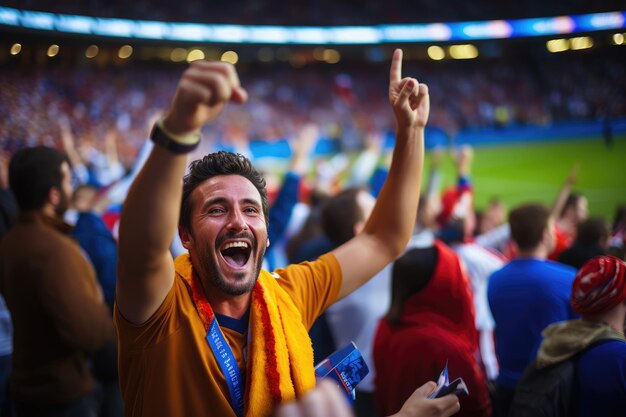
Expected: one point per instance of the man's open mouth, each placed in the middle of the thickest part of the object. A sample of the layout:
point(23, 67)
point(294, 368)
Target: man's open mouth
point(236, 253)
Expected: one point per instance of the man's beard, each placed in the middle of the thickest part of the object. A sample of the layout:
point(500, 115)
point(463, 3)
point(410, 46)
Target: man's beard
point(216, 279)
point(63, 204)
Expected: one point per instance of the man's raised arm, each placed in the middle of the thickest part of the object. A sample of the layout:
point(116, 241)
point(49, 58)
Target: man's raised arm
point(389, 227)
point(151, 210)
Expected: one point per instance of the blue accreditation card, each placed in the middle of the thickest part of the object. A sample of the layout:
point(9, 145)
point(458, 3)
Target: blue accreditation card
point(346, 366)
point(445, 387)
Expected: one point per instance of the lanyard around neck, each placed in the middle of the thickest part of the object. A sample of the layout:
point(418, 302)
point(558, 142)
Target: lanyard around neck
point(220, 348)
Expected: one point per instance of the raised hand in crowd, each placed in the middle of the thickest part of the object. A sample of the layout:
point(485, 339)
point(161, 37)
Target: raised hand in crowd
point(564, 192)
point(302, 147)
point(202, 93)
point(408, 98)
point(146, 276)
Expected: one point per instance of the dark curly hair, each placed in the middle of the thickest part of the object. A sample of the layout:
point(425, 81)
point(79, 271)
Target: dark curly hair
point(219, 163)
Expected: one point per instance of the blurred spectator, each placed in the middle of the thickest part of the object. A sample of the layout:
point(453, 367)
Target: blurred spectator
point(285, 202)
point(493, 216)
point(8, 205)
point(526, 295)
point(430, 322)
point(617, 246)
point(95, 238)
point(595, 344)
point(480, 263)
point(6, 350)
point(52, 293)
point(354, 318)
point(574, 212)
point(592, 239)
point(8, 215)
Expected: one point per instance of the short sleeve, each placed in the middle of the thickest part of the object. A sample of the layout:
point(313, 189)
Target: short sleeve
point(313, 286)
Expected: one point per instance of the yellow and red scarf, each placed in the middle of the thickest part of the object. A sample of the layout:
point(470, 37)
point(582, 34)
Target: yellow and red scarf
point(280, 355)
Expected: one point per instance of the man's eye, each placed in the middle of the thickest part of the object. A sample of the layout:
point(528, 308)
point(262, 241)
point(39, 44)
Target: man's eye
point(216, 211)
point(251, 210)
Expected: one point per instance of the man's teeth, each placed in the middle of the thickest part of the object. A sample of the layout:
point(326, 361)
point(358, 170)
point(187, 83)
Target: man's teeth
point(235, 245)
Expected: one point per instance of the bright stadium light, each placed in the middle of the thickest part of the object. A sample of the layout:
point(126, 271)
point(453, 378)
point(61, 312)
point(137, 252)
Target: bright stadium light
point(436, 53)
point(331, 56)
point(230, 56)
point(581, 42)
point(313, 35)
point(195, 55)
point(466, 51)
point(618, 38)
point(557, 45)
point(53, 50)
point(16, 48)
point(178, 54)
point(92, 51)
point(125, 52)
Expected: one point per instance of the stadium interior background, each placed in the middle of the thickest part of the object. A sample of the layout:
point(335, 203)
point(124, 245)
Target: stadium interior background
point(531, 106)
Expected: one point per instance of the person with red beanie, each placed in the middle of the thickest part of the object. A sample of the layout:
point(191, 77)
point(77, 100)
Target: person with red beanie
point(597, 339)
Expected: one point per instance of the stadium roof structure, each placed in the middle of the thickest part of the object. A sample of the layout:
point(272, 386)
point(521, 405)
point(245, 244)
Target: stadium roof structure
point(308, 35)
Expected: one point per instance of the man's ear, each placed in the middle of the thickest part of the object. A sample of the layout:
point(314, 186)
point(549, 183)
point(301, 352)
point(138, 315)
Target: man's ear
point(54, 196)
point(268, 243)
point(185, 237)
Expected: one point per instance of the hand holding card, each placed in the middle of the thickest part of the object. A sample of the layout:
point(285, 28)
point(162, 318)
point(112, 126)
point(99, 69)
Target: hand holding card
point(444, 387)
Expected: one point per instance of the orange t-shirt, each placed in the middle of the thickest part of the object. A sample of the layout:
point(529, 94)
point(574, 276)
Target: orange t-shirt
point(166, 365)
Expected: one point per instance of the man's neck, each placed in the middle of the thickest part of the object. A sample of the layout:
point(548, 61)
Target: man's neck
point(234, 306)
point(614, 318)
point(48, 210)
point(537, 253)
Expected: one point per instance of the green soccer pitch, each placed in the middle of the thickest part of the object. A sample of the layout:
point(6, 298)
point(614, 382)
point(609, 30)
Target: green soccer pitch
point(528, 172)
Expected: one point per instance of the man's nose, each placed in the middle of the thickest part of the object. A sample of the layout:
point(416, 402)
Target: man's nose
point(237, 221)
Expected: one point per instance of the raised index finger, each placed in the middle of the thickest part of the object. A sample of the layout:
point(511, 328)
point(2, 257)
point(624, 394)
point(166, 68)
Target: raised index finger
point(395, 73)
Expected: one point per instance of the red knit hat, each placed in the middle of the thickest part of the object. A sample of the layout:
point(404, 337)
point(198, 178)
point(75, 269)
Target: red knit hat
point(599, 285)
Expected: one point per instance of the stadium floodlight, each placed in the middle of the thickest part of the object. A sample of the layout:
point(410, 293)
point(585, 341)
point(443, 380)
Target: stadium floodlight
point(16, 48)
point(120, 28)
point(146, 29)
point(312, 35)
point(436, 53)
point(581, 42)
point(38, 20)
point(53, 50)
point(92, 51)
point(230, 56)
point(74, 24)
point(557, 45)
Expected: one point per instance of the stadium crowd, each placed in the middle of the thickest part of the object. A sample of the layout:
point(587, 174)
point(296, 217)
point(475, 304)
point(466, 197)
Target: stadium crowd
point(345, 102)
point(470, 291)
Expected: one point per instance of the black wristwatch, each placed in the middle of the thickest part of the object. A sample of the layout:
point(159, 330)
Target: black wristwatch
point(161, 138)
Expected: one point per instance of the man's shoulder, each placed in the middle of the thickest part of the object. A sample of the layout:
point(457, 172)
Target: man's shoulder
point(36, 238)
point(559, 268)
point(613, 349)
point(322, 264)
